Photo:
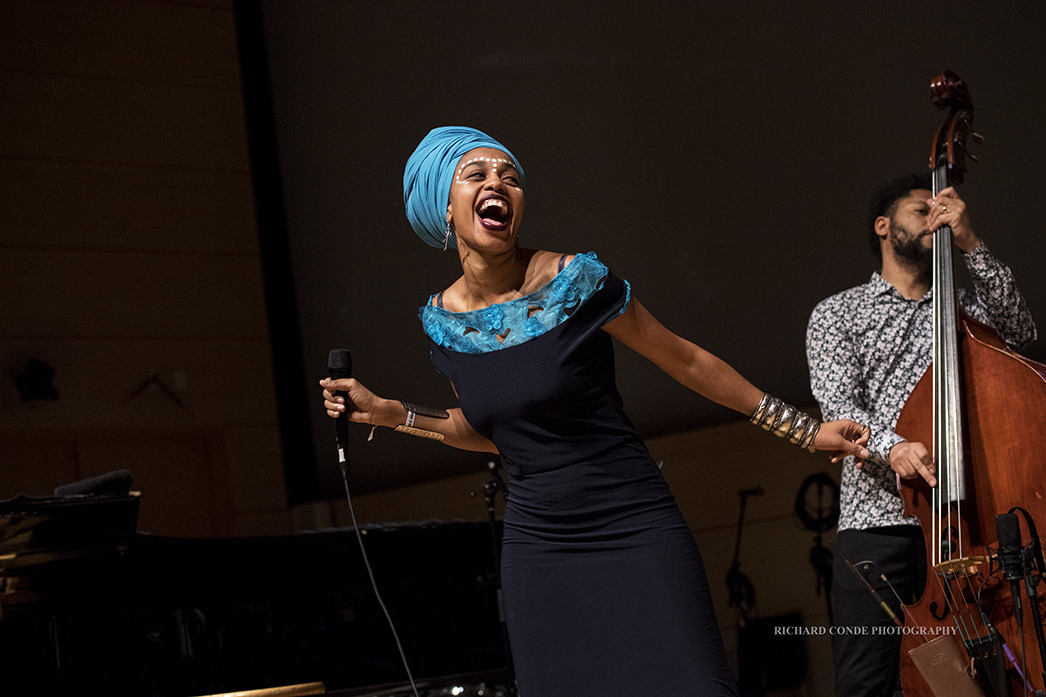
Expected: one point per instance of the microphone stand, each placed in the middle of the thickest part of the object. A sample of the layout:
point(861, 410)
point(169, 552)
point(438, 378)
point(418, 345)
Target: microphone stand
point(1023, 562)
point(1033, 570)
point(1031, 583)
point(490, 493)
point(741, 592)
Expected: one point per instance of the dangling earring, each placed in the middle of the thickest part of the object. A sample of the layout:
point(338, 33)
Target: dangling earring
point(446, 235)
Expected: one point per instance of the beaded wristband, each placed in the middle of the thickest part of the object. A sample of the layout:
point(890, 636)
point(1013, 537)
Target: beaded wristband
point(419, 432)
point(413, 410)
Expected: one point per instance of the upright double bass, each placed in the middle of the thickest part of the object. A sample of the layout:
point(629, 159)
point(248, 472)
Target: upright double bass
point(977, 626)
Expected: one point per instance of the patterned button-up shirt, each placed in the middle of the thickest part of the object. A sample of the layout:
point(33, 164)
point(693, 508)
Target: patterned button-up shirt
point(868, 346)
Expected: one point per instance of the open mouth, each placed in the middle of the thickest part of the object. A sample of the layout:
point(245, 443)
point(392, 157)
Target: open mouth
point(493, 212)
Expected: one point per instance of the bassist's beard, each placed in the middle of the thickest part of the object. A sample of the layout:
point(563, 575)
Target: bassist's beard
point(909, 250)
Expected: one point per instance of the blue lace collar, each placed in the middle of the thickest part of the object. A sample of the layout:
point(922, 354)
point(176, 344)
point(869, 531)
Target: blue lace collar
point(510, 323)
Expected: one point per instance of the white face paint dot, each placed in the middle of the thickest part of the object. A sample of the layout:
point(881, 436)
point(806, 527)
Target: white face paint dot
point(493, 160)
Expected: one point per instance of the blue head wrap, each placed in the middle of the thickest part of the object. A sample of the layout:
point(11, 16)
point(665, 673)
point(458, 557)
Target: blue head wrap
point(429, 173)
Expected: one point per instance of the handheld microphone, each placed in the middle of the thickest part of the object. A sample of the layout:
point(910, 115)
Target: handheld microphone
point(339, 367)
point(1011, 558)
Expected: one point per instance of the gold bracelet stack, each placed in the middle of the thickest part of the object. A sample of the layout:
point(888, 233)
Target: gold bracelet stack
point(785, 421)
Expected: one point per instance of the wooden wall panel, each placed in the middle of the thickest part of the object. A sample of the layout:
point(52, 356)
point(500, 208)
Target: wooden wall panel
point(221, 383)
point(254, 489)
point(707, 491)
point(124, 40)
point(63, 294)
point(68, 118)
point(92, 206)
point(180, 485)
point(35, 468)
point(128, 251)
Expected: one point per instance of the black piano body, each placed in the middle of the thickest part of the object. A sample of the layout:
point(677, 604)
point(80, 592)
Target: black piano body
point(88, 606)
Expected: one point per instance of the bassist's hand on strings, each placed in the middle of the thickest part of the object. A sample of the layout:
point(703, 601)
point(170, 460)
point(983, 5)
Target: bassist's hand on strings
point(911, 460)
point(948, 208)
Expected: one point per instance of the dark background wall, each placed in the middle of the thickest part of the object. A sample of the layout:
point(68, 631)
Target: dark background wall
point(719, 156)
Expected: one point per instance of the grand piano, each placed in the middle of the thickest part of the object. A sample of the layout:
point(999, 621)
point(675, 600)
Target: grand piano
point(89, 606)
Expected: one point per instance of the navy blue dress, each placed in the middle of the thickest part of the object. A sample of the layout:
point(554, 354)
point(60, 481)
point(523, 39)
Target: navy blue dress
point(604, 589)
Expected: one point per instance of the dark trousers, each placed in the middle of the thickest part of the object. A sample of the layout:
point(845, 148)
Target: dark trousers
point(866, 661)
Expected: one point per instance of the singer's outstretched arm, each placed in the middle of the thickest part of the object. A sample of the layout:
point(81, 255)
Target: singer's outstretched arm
point(365, 407)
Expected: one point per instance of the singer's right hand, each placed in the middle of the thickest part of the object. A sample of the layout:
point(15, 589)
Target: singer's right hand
point(362, 405)
point(366, 407)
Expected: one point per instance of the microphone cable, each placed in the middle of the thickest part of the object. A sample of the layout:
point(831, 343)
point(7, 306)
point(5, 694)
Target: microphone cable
point(373, 583)
point(339, 366)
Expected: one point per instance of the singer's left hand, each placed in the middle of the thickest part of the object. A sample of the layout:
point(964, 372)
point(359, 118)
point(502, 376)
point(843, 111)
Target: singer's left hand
point(843, 437)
